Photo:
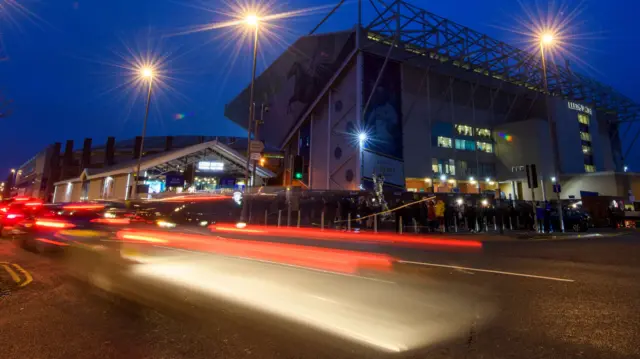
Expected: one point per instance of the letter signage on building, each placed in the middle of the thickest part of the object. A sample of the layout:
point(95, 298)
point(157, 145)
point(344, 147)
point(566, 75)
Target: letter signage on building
point(580, 107)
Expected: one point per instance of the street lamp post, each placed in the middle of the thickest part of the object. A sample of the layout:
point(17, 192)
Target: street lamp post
point(548, 39)
point(147, 74)
point(251, 20)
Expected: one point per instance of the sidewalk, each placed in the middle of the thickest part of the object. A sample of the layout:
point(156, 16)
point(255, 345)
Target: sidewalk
point(535, 236)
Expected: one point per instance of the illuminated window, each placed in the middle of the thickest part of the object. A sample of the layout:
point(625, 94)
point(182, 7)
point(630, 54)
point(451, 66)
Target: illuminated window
point(485, 147)
point(464, 130)
point(435, 168)
point(583, 119)
point(483, 132)
point(586, 149)
point(444, 142)
point(465, 145)
point(443, 166)
point(585, 136)
point(589, 168)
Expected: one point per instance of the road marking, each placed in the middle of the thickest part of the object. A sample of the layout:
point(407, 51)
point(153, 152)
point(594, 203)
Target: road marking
point(12, 273)
point(26, 274)
point(488, 271)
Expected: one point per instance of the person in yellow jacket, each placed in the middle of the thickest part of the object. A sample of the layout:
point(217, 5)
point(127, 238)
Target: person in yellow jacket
point(439, 209)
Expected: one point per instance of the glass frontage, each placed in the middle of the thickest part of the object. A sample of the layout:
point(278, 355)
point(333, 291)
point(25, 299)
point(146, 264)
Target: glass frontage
point(444, 142)
point(464, 130)
point(485, 147)
point(465, 145)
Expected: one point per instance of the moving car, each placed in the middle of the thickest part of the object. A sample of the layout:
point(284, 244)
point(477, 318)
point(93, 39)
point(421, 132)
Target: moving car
point(54, 226)
point(15, 210)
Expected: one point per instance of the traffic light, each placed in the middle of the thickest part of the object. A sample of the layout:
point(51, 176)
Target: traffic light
point(298, 167)
point(532, 176)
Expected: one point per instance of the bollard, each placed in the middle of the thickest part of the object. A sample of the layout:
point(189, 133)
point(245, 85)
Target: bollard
point(415, 225)
point(299, 218)
point(486, 224)
point(266, 217)
point(322, 221)
point(466, 223)
point(400, 225)
point(349, 222)
point(510, 223)
point(375, 223)
point(455, 223)
point(495, 224)
point(279, 217)
point(477, 225)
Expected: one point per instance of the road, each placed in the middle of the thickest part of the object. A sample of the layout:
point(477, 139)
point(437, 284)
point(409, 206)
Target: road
point(554, 299)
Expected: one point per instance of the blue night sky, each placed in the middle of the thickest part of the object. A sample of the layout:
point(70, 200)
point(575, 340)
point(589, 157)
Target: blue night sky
point(61, 77)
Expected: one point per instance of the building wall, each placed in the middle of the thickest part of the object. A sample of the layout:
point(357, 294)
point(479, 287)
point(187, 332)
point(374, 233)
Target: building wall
point(95, 189)
point(334, 149)
point(530, 144)
point(119, 187)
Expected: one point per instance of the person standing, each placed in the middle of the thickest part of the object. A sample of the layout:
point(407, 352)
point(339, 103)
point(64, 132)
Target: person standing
point(440, 209)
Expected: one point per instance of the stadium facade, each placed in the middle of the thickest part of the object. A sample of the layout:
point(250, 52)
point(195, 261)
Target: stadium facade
point(444, 109)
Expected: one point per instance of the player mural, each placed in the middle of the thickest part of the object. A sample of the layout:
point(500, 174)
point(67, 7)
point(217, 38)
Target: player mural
point(383, 153)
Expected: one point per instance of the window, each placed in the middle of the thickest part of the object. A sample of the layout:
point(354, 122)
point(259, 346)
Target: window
point(443, 166)
point(444, 142)
point(586, 149)
point(585, 136)
point(463, 168)
point(485, 147)
point(434, 165)
point(487, 170)
point(465, 145)
point(583, 119)
point(464, 130)
point(483, 132)
point(589, 168)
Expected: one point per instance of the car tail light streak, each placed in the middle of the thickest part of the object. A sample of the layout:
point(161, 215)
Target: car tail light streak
point(333, 235)
point(54, 224)
point(111, 220)
point(14, 215)
point(311, 257)
point(76, 207)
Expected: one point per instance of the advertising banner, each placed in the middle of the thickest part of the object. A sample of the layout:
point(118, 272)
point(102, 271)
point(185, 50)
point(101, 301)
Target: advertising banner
point(383, 153)
point(383, 119)
point(292, 82)
point(173, 180)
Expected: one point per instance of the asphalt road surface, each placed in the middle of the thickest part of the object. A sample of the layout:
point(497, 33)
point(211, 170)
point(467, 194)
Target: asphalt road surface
point(554, 299)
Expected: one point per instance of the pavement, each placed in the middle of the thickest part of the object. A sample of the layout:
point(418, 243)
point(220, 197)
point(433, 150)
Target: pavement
point(575, 298)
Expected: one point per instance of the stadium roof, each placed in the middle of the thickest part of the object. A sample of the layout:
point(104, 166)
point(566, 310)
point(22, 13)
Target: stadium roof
point(427, 34)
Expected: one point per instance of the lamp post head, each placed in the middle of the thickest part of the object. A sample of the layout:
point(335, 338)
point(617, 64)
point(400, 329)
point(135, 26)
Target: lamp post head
point(251, 20)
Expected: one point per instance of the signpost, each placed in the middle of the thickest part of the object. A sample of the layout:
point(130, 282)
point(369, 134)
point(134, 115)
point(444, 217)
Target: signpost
point(256, 146)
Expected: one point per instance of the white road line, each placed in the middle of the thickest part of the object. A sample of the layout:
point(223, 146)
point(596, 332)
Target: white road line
point(488, 271)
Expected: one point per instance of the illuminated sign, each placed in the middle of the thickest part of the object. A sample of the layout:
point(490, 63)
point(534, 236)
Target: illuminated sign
point(211, 166)
point(579, 107)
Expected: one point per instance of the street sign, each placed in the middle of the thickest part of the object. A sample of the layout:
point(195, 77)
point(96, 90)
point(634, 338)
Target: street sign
point(255, 156)
point(557, 188)
point(256, 146)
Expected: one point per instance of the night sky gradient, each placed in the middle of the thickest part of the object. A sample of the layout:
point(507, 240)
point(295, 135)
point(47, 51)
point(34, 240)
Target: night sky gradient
point(60, 74)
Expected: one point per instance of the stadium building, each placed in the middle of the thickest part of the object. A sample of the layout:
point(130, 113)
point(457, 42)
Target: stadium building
point(443, 108)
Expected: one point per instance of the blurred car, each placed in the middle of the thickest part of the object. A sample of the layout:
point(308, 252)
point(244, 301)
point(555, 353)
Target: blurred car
point(54, 226)
point(16, 210)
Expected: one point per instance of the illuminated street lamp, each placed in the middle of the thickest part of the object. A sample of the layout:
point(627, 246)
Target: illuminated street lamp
point(251, 21)
point(145, 73)
point(548, 40)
